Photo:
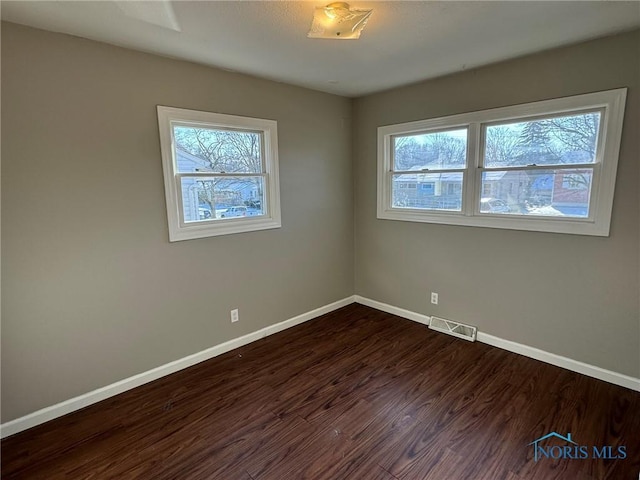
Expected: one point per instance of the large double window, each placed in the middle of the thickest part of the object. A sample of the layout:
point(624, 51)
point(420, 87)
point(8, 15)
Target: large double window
point(546, 166)
point(220, 172)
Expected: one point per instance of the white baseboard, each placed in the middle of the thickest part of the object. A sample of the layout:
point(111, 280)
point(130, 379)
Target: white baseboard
point(76, 403)
point(401, 312)
point(531, 352)
point(560, 361)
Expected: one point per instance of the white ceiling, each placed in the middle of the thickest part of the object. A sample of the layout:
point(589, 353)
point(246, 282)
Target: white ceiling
point(403, 42)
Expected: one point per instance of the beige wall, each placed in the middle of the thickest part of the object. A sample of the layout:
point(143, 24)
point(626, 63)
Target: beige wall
point(572, 295)
point(92, 290)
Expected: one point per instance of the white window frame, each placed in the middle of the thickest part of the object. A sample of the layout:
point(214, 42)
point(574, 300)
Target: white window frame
point(181, 230)
point(611, 103)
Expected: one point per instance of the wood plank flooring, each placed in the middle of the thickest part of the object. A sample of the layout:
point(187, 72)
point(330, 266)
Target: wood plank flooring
point(355, 394)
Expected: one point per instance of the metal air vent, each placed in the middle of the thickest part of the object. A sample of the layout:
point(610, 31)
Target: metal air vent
point(456, 329)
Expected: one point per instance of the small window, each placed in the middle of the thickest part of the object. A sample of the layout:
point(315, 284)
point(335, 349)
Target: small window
point(546, 166)
point(220, 172)
point(431, 163)
point(549, 157)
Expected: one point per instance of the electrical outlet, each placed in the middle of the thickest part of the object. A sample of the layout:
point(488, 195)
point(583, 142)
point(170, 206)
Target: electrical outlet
point(434, 298)
point(235, 316)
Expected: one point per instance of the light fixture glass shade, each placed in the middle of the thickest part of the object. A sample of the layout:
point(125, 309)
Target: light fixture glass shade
point(338, 21)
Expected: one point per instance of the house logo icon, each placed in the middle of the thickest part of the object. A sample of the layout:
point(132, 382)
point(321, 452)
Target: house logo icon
point(571, 450)
point(539, 449)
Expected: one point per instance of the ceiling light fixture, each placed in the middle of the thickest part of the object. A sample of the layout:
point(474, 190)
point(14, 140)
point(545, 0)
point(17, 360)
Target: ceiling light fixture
point(338, 21)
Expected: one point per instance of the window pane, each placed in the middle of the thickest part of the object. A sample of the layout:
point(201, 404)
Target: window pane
point(218, 151)
point(225, 197)
point(435, 151)
point(551, 141)
point(549, 193)
point(431, 191)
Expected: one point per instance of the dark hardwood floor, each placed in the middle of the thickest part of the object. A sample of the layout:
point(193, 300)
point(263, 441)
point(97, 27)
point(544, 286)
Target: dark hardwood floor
point(355, 394)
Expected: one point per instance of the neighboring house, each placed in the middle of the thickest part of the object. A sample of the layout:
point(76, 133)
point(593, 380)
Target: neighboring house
point(444, 190)
point(512, 187)
point(428, 190)
point(572, 189)
point(226, 194)
point(568, 190)
point(189, 163)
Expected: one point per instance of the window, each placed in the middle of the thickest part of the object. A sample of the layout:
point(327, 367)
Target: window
point(547, 166)
point(220, 173)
